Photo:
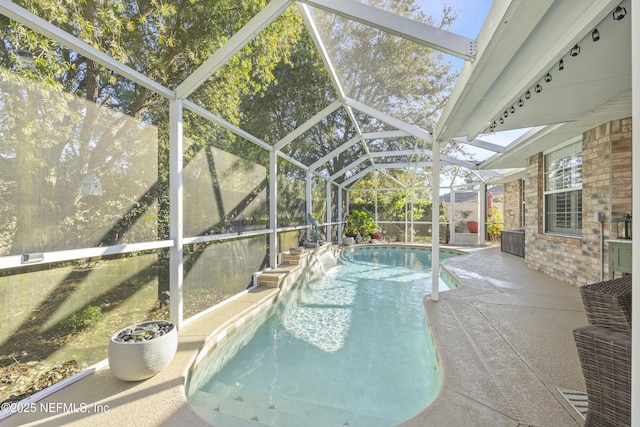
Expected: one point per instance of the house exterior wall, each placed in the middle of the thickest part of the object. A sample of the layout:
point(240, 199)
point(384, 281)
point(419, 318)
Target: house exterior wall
point(513, 205)
point(606, 187)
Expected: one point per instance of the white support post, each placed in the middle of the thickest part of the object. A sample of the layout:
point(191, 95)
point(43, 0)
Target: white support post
point(435, 221)
point(635, 160)
point(340, 190)
point(413, 229)
point(176, 253)
point(375, 205)
point(273, 208)
point(482, 213)
point(348, 197)
point(328, 215)
point(406, 217)
point(452, 214)
point(309, 194)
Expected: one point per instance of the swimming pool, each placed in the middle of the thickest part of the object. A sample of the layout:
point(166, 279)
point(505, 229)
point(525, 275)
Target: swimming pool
point(350, 347)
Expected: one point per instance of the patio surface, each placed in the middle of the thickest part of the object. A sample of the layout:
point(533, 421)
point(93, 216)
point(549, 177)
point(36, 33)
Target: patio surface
point(504, 339)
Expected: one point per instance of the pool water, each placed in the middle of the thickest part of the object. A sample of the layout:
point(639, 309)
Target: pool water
point(351, 347)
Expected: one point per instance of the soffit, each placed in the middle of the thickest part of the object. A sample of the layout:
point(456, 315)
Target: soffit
point(594, 86)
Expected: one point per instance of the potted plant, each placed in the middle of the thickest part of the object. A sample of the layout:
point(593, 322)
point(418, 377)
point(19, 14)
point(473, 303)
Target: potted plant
point(140, 351)
point(349, 235)
point(351, 230)
point(360, 223)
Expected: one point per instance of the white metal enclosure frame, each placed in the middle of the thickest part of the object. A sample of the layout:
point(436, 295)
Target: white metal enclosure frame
point(520, 43)
point(415, 31)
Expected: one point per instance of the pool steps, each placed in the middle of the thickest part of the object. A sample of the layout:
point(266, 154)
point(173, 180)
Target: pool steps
point(247, 407)
point(271, 283)
point(293, 259)
point(272, 278)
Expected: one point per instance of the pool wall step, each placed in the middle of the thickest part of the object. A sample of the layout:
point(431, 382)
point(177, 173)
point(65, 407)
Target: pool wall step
point(302, 264)
point(274, 283)
point(258, 408)
point(293, 406)
point(295, 259)
point(272, 278)
point(220, 419)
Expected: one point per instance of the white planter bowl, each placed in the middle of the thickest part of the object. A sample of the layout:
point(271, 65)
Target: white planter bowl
point(135, 361)
point(348, 241)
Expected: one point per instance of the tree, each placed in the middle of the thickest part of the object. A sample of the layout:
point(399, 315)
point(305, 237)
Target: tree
point(67, 118)
point(392, 75)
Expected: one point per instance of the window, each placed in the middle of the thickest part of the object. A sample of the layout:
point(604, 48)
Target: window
point(563, 190)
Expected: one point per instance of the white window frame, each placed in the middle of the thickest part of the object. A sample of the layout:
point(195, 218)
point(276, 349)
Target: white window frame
point(574, 187)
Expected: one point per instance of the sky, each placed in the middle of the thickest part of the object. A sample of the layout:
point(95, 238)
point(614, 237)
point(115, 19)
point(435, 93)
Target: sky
point(471, 14)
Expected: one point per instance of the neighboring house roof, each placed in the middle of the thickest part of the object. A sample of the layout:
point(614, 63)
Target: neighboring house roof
point(469, 196)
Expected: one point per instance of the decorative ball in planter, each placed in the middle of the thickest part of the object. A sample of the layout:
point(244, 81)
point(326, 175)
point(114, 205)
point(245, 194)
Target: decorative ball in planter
point(140, 351)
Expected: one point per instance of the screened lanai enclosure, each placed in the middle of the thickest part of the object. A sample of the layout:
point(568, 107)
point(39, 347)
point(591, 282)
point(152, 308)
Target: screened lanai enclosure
point(154, 156)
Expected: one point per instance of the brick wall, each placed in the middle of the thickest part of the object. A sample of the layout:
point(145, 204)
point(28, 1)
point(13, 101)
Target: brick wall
point(620, 171)
point(513, 204)
point(606, 187)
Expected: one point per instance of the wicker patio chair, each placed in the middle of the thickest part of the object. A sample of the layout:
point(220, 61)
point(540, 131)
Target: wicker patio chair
point(609, 303)
point(604, 349)
point(605, 356)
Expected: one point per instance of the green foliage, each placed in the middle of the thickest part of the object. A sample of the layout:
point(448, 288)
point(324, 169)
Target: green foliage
point(272, 86)
point(69, 117)
point(360, 222)
point(412, 85)
point(495, 224)
point(393, 204)
point(386, 72)
point(84, 319)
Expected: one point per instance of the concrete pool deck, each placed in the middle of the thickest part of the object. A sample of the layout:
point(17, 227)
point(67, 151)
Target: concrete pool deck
point(504, 339)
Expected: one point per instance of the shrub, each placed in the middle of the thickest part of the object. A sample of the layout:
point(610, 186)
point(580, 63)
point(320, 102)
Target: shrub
point(84, 319)
point(495, 224)
point(360, 222)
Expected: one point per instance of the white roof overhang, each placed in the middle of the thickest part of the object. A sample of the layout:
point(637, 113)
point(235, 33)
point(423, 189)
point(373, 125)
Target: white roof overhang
point(521, 46)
